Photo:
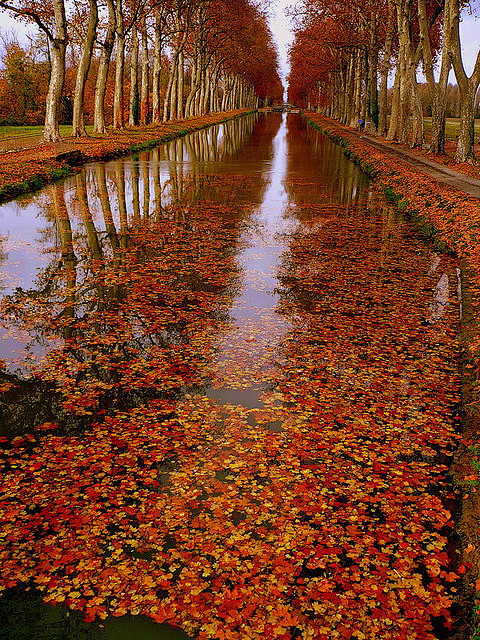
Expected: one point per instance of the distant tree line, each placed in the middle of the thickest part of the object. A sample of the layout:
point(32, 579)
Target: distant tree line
point(345, 52)
point(135, 62)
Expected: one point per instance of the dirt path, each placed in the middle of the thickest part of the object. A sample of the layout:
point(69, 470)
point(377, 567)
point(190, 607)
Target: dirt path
point(440, 172)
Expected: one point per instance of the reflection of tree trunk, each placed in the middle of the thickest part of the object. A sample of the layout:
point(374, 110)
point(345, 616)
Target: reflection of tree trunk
point(86, 214)
point(92, 235)
point(157, 184)
point(69, 260)
point(116, 290)
point(106, 207)
point(146, 189)
point(135, 191)
point(82, 72)
point(122, 204)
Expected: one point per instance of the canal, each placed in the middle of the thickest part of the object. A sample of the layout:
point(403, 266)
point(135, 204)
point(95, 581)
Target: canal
point(229, 399)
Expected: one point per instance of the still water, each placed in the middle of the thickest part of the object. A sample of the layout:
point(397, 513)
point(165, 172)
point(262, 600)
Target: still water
point(229, 387)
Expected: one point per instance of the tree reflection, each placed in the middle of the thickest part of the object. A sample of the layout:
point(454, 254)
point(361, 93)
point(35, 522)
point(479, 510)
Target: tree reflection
point(129, 310)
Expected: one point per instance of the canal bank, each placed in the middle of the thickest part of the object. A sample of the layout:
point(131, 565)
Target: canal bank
point(445, 207)
point(25, 170)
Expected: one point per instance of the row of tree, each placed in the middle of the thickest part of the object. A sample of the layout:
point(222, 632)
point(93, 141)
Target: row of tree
point(176, 58)
point(344, 53)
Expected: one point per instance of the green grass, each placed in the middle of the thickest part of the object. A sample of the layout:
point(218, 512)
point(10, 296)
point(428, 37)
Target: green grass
point(37, 130)
point(451, 127)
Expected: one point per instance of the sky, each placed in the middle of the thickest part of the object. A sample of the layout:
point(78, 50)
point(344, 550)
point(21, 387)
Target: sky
point(280, 26)
point(470, 35)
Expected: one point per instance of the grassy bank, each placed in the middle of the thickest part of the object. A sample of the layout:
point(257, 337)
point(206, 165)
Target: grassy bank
point(30, 169)
point(30, 131)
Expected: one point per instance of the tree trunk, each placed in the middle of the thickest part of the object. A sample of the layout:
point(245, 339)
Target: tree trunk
point(102, 74)
point(174, 88)
point(357, 90)
point(195, 85)
point(347, 105)
point(157, 66)
point(466, 138)
point(372, 74)
point(468, 88)
point(180, 76)
point(395, 111)
point(437, 91)
point(145, 90)
point(403, 12)
point(82, 72)
point(118, 117)
point(384, 71)
point(133, 117)
point(51, 132)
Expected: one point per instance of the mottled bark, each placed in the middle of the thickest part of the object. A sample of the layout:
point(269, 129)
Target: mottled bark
point(157, 66)
point(357, 89)
point(82, 71)
point(51, 132)
point(180, 80)
point(133, 114)
point(102, 74)
point(468, 88)
point(384, 71)
point(145, 89)
point(372, 74)
point(437, 90)
point(118, 117)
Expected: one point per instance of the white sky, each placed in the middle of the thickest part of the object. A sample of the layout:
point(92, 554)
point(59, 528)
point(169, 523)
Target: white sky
point(280, 25)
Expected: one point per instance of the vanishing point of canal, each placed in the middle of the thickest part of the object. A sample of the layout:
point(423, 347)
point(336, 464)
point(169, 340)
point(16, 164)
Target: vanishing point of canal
point(229, 399)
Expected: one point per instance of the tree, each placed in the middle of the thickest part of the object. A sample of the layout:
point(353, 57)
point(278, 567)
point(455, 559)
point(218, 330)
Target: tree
point(83, 69)
point(51, 19)
point(133, 118)
point(106, 45)
point(468, 86)
point(23, 84)
point(437, 90)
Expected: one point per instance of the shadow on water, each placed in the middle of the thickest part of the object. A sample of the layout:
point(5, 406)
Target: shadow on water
point(24, 616)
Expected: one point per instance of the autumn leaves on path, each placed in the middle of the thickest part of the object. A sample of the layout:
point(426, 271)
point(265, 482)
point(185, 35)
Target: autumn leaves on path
point(263, 367)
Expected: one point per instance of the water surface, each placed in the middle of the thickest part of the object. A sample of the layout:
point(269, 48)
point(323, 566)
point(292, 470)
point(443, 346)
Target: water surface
point(230, 384)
